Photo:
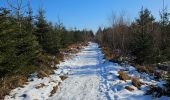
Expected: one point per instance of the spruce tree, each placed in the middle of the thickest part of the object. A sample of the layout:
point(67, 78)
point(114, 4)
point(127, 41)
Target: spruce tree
point(18, 47)
point(165, 35)
point(7, 43)
point(141, 43)
point(47, 35)
point(41, 29)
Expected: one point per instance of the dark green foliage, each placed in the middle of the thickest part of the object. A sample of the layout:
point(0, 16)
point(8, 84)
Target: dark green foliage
point(66, 37)
point(73, 36)
point(52, 38)
point(18, 47)
point(41, 29)
point(22, 40)
point(165, 35)
point(7, 43)
point(141, 44)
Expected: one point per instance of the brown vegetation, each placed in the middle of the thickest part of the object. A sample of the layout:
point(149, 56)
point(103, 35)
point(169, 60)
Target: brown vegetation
point(145, 69)
point(63, 77)
point(54, 90)
point(129, 88)
point(156, 91)
point(136, 82)
point(123, 76)
point(150, 69)
point(10, 83)
point(41, 85)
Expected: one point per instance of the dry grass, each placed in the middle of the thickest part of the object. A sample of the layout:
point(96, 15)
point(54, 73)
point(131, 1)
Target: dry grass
point(110, 54)
point(47, 60)
point(129, 88)
point(115, 55)
point(136, 82)
point(145, 69)
point(149, 70)
point(42, 74)
point(141, 69)
point(18, 80)
point(41, 85)
point(63, 77)
point(10, 83)
point(155, 91)
point(73, 48)
point(123, 76)
point(55, 88)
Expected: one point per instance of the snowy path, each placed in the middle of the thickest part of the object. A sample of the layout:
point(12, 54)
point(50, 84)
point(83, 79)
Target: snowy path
point(79, 88)
point(90, 77)
point(83, 82)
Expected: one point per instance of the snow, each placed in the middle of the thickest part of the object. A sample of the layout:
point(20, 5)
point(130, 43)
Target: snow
point(79, 88)
point(30, 92)
point(90, 77)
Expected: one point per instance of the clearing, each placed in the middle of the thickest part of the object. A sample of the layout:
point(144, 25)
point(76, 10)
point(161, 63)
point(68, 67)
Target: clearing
point(90, 77)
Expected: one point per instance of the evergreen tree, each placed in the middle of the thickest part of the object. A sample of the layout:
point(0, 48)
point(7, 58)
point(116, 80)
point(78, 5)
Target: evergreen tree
point(29, 45)
point(42, 30)
point(165, 35)
point(99, 36)
point(47, 35)
point(66, 37)
point(52, 40)
point(17, 50)
point(7, 43)
point(142, 44)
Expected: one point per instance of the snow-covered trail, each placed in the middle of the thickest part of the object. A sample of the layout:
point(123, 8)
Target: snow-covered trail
point(83, 79)
point(90, 77)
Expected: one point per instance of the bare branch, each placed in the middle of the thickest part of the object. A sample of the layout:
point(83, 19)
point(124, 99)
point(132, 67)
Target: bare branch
point(13, 7)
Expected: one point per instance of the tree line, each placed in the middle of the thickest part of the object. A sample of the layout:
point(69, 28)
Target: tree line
point(24, 36)
point(146, 39)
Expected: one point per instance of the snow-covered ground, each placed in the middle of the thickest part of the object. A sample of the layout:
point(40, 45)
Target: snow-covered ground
point(90, 77)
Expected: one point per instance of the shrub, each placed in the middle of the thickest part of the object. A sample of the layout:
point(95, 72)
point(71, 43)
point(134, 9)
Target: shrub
point(141, 69)
point(145, 69)
point(155, 91)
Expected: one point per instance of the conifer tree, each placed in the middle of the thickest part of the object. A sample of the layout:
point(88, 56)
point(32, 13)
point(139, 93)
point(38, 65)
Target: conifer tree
point(41, 29)
point(7, 43)
point(142, 44)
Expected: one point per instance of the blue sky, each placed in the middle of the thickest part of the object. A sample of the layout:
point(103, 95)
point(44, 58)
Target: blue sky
point(91, 14)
